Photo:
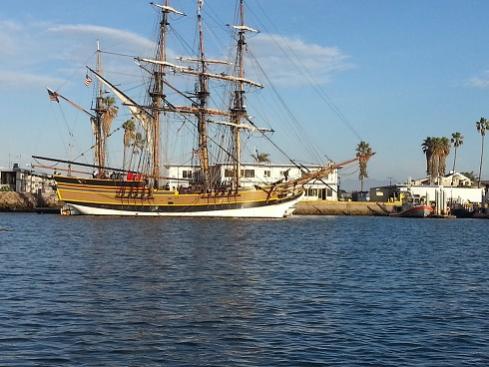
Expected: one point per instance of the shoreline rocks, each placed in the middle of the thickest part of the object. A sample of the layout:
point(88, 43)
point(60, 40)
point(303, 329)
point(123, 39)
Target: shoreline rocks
point(11, 201)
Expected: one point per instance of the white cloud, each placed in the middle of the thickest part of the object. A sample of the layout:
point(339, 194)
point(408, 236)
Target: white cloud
point(293, 62)
point(481, 81)
point(9, 25)
point(40, 53)
point(129, 38)
point(58, 51)
point(12, 79)
point(7, 40)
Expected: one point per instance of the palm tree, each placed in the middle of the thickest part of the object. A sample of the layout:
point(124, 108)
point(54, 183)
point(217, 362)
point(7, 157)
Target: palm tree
point(428, 147)
point(482, 125)
point(436, 150)
point(457, 140)
point(364, 153)
point(261, 157)
point(129, 127)
point(109, 113)
point(443, 150)
point(139, 142)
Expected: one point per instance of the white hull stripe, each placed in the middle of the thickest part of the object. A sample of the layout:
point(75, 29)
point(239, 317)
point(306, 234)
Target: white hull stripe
point(267, 211)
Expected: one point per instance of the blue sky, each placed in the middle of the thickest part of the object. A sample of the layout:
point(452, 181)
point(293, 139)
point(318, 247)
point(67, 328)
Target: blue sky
point(397, 71)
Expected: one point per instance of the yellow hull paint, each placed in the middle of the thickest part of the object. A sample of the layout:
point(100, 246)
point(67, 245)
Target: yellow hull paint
point(115, 196)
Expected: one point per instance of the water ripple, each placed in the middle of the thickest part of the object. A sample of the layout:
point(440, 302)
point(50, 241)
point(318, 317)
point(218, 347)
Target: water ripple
point(317, 291)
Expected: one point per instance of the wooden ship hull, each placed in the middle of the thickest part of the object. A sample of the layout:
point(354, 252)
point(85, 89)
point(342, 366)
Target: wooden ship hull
point(134, 198)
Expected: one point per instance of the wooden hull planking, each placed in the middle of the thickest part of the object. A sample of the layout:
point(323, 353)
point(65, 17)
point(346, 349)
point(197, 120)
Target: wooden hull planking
point(111, 197)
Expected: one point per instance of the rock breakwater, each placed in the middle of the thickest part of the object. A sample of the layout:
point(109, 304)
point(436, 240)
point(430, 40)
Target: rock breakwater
point(23, 202)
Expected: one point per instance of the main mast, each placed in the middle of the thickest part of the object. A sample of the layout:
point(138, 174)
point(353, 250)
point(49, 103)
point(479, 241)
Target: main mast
point(199, 108)
point(156, 92)
point(238, 109)
point(202, 95)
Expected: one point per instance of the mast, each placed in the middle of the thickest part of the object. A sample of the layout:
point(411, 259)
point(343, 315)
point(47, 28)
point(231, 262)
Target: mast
point(202, 95)
point(238, 109)
point(97, 121)
point(156, 92)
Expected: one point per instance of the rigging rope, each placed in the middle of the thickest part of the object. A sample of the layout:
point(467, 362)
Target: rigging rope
point(303, 70)
point(285, 107)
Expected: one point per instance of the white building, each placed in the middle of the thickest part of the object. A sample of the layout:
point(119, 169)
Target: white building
point(452, 179)
point(258, 174)
point(459, 195)
point(26, 181)
point(457, 188)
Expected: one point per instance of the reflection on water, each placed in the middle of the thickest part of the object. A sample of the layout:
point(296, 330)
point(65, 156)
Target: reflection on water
point(303, 291)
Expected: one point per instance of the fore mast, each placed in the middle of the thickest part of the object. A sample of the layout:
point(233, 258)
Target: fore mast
point(238, 109)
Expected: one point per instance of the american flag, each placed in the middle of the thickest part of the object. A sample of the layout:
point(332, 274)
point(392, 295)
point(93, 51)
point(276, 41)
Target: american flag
point(88, 80)
point(53, 96)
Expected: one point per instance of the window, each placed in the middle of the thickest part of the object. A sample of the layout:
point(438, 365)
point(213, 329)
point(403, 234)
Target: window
point(244, 173)
point(312, 192)
point(186, 174)
point(267, 173)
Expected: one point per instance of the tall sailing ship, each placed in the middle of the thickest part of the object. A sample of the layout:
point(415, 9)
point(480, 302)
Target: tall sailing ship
point(138, 188)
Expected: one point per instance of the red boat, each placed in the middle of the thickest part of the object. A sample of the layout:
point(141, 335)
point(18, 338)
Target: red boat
point(414, 207)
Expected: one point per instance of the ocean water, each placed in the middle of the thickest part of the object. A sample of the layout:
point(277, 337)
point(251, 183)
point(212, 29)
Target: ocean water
point(306, 291)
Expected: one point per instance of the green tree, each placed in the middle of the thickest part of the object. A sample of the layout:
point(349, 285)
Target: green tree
point(436, 150)
point(129, 127)
point(457, 141)
point(470, 175)
point(428, 147)
point(364, 153)
point(261, 157)
point(442, 151)
point(482, 125)
point(109, 113)
point(139, 142)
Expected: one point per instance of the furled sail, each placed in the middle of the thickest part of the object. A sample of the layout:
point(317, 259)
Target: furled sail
point(241, 126)
point(188, 70)
point(168, 9)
